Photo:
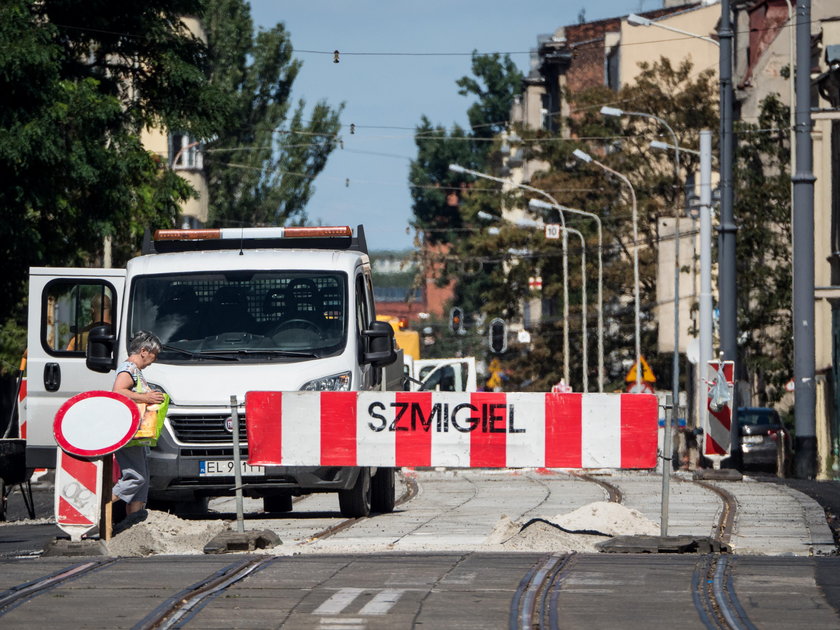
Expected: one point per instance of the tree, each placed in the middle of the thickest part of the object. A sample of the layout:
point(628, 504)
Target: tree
point(80, 79)
point(497, 81)
point(765, 288)
point(440, 195)
point(263, 160)
point(687, 103)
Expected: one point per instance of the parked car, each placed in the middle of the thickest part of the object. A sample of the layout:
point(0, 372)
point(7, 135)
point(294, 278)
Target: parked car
point(761, 428)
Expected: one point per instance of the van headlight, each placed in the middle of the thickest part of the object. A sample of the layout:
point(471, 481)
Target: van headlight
point(335, 383)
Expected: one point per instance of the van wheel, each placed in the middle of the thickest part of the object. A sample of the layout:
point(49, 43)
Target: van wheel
point(278, 503)
point(355, 502)
point(383, 491)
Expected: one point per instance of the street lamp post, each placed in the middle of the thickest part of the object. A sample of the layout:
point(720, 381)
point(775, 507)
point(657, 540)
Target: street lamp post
point(457, 168)
point(538, 204)
point(585, 157)
point(675, 363)
point(584, 344)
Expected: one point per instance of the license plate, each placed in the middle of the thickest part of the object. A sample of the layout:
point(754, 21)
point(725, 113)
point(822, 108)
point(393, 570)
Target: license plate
point(225, 468)
point(753, 439)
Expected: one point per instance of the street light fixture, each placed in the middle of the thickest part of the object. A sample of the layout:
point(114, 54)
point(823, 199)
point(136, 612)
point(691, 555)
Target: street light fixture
point(638, 20)
point(675, 363)
point(457, 168)
point(585, 157)
point(538, 204)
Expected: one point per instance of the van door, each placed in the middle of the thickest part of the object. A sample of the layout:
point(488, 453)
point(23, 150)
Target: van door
point(64, 303)
point(446, 375)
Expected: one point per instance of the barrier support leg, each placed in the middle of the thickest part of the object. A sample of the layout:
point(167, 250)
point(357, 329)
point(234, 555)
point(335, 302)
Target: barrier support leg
point(106, 522)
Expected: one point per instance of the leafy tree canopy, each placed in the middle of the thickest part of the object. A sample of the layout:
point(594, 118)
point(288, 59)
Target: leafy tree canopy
point(264, 157)
point(80, 80)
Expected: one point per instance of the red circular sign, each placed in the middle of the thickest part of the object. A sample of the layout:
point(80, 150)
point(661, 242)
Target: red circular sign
point(97, 423)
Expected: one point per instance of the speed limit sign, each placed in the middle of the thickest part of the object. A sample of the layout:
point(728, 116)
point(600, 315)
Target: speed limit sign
point(552, 230)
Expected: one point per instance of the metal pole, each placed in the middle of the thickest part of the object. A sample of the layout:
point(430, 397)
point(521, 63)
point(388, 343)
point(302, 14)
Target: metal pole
point(803, 256)
point(727, 272)
point(600, 289)
point(666, 466)
point(705, 323)
point(675, 364)
point(237, 465)
point(637, 300)
point(460, 169)
point(583, 306)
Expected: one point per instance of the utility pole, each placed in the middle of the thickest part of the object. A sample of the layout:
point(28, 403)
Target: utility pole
point(705, 323)
point(727, 293)
point(803, 256)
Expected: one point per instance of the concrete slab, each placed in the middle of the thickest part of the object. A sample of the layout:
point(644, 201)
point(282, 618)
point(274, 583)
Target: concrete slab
point(231, 542)
point(662, 544)
point(723, 474)
point(70, 548)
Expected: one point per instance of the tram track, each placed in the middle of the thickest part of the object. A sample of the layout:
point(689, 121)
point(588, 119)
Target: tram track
point(21, 593)
point(410, 492)
point(181, 607)
point(714, 595)
point(534, 604)
point(726, 523)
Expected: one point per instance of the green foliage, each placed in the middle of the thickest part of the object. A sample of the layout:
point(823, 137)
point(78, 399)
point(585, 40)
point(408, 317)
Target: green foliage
point(435, 189)
point(501, 282)
point(497, 81)
point(264, 157)
point(764, 254)
point(80, 79)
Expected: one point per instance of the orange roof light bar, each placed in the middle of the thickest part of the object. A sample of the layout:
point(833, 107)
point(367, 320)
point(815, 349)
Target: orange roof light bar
point(342, 231)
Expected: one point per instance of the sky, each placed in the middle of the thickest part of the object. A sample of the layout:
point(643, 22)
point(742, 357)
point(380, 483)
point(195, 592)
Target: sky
point(385, 95)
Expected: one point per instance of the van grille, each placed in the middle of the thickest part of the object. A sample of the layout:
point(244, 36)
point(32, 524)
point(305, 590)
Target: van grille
point(205, 429)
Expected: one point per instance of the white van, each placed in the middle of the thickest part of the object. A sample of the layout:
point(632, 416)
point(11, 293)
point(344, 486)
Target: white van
point(441, 375)
point(237, 310)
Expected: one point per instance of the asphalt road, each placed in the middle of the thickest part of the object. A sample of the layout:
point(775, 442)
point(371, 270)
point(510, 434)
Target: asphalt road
point(418, 588)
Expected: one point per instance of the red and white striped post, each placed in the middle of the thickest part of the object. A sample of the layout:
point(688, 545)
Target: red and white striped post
point(717, 443)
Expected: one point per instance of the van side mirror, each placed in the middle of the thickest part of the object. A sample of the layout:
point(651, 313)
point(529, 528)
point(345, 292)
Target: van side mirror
point(379, 350)
point(100, 349)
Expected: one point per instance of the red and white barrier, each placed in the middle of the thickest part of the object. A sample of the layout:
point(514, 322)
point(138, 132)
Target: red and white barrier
point(78, 492)
point(718, 432)
point(483, 429)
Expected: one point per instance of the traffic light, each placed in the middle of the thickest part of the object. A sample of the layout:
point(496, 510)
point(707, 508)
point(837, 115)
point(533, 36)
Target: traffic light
point(498, 336)
point(456, 319)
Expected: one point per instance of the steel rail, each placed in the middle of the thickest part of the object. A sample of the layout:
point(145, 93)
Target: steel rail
point(17, 595)
point(182, 606)
point(713, 593)
point(535, 599)
point(726, 522)
point(613, 492)
point(409, 493)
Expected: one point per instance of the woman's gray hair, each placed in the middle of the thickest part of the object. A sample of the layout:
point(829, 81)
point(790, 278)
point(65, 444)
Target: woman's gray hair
point(144, 340)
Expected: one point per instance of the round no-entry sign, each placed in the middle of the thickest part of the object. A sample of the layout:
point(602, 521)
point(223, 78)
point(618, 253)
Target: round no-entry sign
point(97, 423)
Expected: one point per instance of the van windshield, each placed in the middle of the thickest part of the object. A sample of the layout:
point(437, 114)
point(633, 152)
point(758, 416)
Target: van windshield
point(242, 315)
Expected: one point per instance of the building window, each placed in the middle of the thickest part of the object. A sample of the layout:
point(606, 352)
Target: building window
point(184, 152)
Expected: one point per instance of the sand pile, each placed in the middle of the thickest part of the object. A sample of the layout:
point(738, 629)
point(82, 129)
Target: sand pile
point(579, 531)
point(613, 519)
point(164, 533)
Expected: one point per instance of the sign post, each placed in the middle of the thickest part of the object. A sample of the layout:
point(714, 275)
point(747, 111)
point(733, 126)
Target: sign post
point(88, 429)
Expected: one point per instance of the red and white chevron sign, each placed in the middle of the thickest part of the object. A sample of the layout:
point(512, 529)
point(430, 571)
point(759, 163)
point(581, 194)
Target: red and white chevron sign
point(78, 491)
point(483, 429)
point(718, 437)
